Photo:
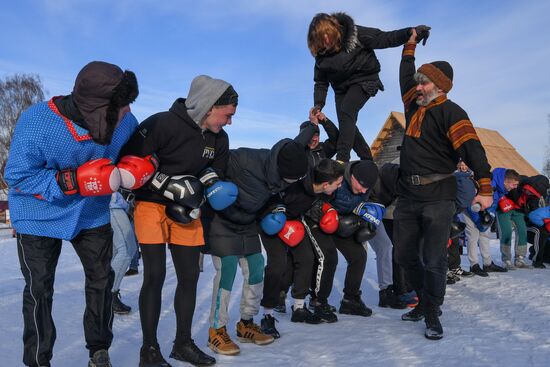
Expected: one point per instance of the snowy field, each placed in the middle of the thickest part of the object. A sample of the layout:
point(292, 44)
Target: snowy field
point(502, 320)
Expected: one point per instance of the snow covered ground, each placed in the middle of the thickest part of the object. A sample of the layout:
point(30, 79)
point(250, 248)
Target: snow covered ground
point(501, 320)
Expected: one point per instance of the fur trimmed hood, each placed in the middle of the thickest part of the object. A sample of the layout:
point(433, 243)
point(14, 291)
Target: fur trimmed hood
point(349, 31)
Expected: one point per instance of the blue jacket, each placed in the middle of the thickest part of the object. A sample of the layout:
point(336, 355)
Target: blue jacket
point(499, 191)
point(345, 200)
point(538, 216)
point(42, 144)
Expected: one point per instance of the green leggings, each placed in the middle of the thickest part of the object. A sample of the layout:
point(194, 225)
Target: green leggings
point(505, 221)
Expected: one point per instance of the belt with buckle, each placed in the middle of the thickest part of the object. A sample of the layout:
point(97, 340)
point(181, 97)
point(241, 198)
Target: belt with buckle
point(419, 180)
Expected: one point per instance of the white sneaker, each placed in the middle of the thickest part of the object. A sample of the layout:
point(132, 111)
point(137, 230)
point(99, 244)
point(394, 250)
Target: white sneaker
point(508, 265)
point(521, 264)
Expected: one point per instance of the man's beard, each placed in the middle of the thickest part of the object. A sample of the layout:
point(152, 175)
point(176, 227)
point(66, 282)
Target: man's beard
point(427, 98)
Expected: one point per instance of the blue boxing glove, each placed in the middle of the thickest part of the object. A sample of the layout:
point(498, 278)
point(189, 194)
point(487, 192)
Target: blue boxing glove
point(370, 212)
point(220, 194)
point(273, 222)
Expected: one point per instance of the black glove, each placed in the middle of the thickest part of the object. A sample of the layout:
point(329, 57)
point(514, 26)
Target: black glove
point(422, 33)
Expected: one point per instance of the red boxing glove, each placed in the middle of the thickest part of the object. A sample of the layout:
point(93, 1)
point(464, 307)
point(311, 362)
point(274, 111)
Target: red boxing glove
point(97, 177)
point(547, 224)
point(136, 171)
point(292, 233)
point(505, 204)
point(329, 221)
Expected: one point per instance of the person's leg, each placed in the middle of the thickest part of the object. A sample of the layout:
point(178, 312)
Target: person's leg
point(252, 267)
point(124, 245)
point(518, 218)
point(356, 257)
point(302, 260)
point(383, 248)
point(504, 223)
point(94, 247)
point(186, 264)
point(453, 254)
point(150, 296)
point(407, 231)
point(38, 258)
point(276, 252)
point(436, 225)
point(348, 106)
point(324, 269)
point(485, 248)
point(226, 270)
point(472, 236)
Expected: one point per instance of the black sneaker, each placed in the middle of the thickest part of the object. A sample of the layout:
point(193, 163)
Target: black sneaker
point(476, 269)
point(304, 315)
point(267, 325)
point(354, 306)
point(538, 265)
point(434, 330)
point(451, 278)
point(131, 272)
point(416, 314)
point(494, 268)
point(119, 307)
point(281, 307)
point(100, 359)
point(324, 311)
point(388, 298)
point(461, 272)
point(150, 356)
point(189, 352)
point(314, 302)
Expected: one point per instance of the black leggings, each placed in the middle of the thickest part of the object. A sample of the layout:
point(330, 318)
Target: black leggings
point(186, 263)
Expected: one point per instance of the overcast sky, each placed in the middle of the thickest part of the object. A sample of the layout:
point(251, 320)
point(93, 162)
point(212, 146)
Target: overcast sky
point(499, 50)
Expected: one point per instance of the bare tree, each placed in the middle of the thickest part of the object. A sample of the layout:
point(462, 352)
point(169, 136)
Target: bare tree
point(546, 164)
point(17, 93)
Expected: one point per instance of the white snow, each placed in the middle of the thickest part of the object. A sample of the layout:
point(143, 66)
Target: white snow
point(501, 320)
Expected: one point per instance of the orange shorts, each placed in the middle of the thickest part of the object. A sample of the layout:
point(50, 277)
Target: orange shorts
point(153, 226)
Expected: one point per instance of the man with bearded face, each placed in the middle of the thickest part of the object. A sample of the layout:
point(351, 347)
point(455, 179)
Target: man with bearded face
point(438, 132)
point(61, 175)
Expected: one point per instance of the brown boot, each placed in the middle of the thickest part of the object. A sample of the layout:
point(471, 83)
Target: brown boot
point(220, 342)
point(251, 333)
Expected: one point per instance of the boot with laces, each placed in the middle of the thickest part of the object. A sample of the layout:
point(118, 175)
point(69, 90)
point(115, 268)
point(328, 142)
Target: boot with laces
point(249, 332)
point(220, 342)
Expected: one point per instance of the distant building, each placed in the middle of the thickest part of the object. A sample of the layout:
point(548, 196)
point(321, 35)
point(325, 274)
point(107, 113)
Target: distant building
point(500, 153)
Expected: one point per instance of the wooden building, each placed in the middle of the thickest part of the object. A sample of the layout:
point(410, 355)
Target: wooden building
point(500, 153)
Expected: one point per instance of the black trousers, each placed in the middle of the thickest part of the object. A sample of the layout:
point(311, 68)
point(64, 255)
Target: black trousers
point(421, 232)
point(454, 254)
point(276, 270)
point(400, 283)
point(38, 257)
point(348, 106)
point(326, 260)
point(538, 236)
point(356, 257)
point(186, 264)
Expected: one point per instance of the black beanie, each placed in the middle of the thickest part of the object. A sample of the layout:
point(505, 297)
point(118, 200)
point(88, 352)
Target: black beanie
point(305, 124)
point(366, 172)
point(292, 161)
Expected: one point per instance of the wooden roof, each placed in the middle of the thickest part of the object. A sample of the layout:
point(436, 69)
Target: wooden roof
point(500, 152)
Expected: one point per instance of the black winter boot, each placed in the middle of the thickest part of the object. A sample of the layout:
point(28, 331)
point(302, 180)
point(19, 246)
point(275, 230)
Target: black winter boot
point(150, 356)
point(354, 306)
point(388, 298)
point(189, 352)
point(325, 312)
point(304, 315)
point(119, 307)
point(434, 330)
point(100, 359)
point(267, 326)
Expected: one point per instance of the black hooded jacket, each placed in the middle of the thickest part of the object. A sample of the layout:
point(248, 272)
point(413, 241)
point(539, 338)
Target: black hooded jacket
point(356, 62)
point(181, 146)
point(255, 173)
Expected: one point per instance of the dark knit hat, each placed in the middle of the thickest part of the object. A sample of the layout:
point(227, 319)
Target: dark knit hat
point(292, 161)
point(305, 124)
point(100, 90)
point(440, 73)
point(366, 172)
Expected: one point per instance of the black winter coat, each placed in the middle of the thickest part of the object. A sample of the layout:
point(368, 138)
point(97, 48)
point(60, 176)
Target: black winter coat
point(356, 63)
